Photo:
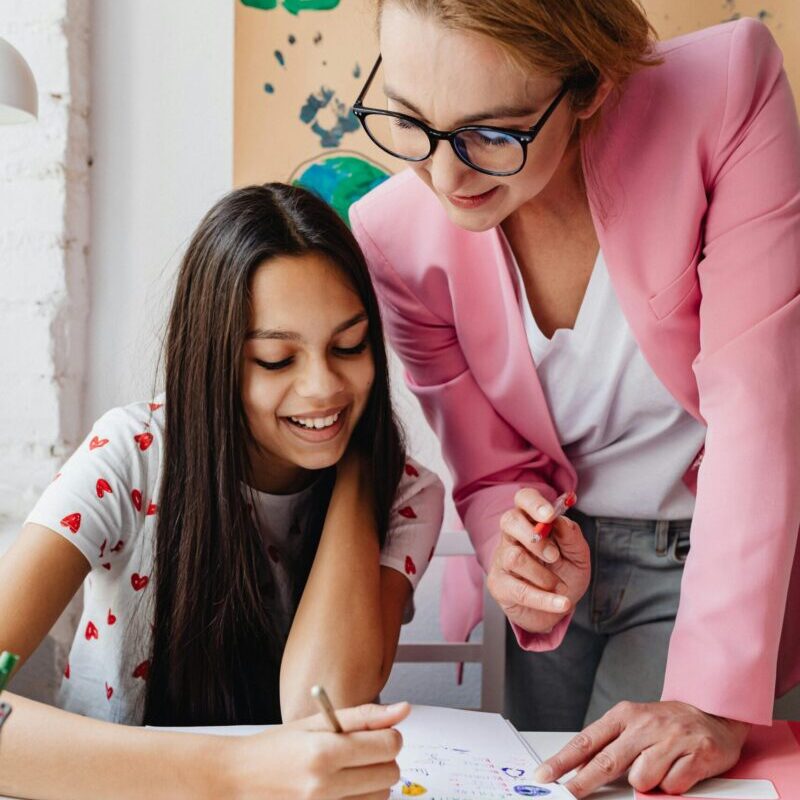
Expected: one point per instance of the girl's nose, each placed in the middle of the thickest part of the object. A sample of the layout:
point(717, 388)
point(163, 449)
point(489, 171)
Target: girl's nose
point(317, 380)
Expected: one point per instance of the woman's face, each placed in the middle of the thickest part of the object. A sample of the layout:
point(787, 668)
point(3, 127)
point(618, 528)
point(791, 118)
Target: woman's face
point(307, 368)
point(449, 78)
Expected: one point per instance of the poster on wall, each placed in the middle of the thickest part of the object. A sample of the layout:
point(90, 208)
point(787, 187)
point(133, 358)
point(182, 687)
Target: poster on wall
point(299, 65)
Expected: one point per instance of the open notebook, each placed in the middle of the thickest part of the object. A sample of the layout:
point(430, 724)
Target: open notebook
point(449, 754)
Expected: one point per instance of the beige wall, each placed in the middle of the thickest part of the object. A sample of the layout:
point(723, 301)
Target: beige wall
point(333, 51)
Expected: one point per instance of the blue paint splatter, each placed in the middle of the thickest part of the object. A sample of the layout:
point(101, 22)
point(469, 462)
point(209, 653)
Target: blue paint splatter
point(269, 88)
point(279, 58)
point(346, 120)
point(357, 71)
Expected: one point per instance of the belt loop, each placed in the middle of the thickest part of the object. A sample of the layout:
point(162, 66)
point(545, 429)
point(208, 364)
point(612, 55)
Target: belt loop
point(662, 536)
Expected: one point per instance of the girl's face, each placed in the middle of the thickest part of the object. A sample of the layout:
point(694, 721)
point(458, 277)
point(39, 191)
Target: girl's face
point(447, 79)
point(307, 368)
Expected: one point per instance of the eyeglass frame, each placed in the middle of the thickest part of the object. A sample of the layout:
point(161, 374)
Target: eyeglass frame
point(524, 138)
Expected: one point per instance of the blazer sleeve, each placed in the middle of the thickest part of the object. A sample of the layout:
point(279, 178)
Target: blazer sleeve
point(724, 647)
point(488, 459)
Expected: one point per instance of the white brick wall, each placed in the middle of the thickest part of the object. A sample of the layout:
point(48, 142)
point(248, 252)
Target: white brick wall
point(44, 235)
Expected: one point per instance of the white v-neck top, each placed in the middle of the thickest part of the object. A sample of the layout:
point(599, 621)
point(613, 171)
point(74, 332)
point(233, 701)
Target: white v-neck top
point(628, 438)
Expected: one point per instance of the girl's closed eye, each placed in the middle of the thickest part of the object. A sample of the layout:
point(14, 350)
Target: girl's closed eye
point(274, 365)
point(355, 350)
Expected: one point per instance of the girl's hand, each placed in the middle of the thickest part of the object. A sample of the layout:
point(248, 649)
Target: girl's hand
point(538, 583)
point(666, 745)
point(304, 760)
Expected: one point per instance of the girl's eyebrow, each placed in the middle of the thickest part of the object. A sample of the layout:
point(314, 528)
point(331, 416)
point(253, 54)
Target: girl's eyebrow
point(499, 112)
point(291, 336)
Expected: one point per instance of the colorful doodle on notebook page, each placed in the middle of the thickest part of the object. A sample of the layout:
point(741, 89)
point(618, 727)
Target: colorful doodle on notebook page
point(297, 75)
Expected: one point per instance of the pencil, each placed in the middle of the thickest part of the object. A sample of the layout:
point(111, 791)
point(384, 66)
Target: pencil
point(319, 694)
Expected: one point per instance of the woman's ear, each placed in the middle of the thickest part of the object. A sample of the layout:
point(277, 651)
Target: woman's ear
point(603, 90)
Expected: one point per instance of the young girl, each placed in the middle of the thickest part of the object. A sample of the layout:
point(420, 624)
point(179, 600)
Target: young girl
point(254, 531)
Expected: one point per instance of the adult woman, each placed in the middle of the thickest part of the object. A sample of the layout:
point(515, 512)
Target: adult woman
point(251, 533)
point(590, 309)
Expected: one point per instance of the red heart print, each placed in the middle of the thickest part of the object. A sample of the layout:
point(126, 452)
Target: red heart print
point(155, 406)
point(103, 487)
point(430, 557)
point(144, 440)
point(142, 671)
point(139, 581)
point(56, 476)
point(97, 442)
point(91, 631)
point(103, 547)
point(136, 498)
point(111, 618)
point(407, 512)
point(118, 546)
point(109, 691)
point(72, 521)
point(411, 567)
point(151, 509)
point(106, 566)
point(66, 671)
point(412, 471)
point(273, 553)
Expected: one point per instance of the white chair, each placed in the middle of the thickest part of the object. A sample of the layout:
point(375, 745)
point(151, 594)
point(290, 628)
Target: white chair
point(490, 653)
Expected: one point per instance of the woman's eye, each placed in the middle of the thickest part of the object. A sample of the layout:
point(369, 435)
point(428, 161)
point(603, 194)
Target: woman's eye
point(273, 365)
point(351, 351)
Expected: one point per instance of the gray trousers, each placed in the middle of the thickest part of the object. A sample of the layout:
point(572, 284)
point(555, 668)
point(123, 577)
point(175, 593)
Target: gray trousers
point(616, 645)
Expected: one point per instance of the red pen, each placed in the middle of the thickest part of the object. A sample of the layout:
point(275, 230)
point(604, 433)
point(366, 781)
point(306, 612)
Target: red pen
point(542, 529)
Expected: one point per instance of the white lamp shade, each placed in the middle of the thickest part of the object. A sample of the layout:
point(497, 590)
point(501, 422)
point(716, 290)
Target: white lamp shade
point(19, 101)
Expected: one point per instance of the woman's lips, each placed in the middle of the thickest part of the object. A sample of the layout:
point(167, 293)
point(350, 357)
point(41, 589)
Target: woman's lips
point(472, 201)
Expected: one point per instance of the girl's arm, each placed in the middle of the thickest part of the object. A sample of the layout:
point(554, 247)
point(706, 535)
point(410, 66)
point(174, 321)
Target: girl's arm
point(48, 753)
point(344, 635)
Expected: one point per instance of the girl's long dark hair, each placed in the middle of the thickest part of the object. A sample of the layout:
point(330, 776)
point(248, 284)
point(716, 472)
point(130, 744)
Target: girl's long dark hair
point(216, 646)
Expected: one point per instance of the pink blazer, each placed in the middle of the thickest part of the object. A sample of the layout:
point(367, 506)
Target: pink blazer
point(694, 186)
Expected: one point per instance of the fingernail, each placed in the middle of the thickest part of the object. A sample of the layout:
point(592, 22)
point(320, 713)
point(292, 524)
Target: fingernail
point(560, 603)
point(543, 774)
point(545, 510)
point(395, 707)
point(550, 553)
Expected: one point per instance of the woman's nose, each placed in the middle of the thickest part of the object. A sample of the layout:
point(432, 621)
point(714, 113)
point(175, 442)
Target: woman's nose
point(447, 171)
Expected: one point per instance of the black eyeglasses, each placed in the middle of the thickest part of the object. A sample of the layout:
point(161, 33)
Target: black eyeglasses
point(487, 149)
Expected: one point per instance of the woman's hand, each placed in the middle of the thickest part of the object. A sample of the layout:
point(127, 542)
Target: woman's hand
point(669, 745)
point(537, 583)
point(304, 760)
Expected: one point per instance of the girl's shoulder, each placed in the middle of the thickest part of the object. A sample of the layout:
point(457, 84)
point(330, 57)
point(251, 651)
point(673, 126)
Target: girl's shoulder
point(106, 493)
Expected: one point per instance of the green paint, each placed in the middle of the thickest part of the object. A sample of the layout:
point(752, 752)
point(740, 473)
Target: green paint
point(296, 6)
point(293, 6)
point(340, 180)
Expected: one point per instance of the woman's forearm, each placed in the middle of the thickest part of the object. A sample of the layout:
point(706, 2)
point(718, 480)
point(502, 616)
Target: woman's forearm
point(49, 753)
point(337, 636)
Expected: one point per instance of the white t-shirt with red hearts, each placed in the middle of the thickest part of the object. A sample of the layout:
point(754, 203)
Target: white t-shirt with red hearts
point(104, 501)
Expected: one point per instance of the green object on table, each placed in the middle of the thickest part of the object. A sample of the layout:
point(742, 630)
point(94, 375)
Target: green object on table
point(7, 663)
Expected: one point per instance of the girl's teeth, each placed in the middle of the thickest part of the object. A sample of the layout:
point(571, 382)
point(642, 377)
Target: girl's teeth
point(316, 424)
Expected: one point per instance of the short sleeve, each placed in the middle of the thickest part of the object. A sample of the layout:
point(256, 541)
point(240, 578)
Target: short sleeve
point(415, 523)
point(104, 493)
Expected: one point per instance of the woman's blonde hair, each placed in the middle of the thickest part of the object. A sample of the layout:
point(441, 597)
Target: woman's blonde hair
point(581, 41)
